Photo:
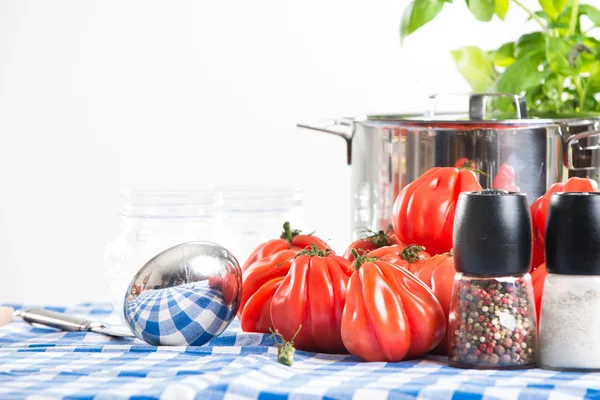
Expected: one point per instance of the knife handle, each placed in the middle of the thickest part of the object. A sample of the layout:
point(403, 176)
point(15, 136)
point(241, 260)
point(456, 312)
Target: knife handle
point(56, 320)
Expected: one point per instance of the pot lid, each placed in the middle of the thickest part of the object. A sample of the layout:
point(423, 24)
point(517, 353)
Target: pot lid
point(480, 114)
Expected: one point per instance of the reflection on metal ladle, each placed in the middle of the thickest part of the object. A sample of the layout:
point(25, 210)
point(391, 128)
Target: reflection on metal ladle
point(185, 296)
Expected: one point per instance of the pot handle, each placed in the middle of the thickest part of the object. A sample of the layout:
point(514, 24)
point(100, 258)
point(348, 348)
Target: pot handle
point(478, 103)
point(573, 141)
point(342, 127)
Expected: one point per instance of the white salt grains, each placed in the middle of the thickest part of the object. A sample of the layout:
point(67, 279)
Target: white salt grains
point(569, 336)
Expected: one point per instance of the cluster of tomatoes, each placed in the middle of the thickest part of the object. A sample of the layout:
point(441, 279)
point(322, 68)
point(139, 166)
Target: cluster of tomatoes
point(387, 298)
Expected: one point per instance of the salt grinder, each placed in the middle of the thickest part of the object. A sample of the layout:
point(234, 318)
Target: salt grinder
point(569, 321)
point(492, 321)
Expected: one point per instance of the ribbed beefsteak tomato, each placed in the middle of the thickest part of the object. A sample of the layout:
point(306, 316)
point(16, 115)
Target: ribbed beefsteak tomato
point(371, 242)
point(465, 162)
point(312, 295)
point(260, 281)
point(538, 278)
point(389, 314)
point(423, 212)
point(438, 274)
point(539, 211)
point(290, 239)
point(410, 257)
point(505, 179)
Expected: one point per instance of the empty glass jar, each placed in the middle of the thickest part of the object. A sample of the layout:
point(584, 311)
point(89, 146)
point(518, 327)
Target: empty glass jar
point(151, 222)
point(492, 321)
point(255, 214)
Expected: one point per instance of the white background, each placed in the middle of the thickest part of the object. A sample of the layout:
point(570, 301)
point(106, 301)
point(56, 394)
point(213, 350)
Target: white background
point(101, 96)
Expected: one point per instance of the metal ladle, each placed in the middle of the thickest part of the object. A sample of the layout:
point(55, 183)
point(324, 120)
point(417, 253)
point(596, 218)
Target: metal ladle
point(185, 295)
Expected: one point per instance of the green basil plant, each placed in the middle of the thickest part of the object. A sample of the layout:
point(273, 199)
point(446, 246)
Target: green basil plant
point(556, 68)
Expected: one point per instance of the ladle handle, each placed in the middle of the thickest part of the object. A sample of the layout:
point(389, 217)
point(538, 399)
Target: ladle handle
point(54, 319)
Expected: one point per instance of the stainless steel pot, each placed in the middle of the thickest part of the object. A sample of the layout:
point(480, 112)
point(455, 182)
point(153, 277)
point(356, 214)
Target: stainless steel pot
point(387, 152)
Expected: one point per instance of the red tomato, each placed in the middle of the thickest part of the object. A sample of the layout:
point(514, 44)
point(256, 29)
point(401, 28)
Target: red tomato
point(424, 210)
point(260, 281)
point(464, 163)
point(372, 242)
point(438, 274)
point(538, 277)
point(312, 295)
point(289, 239)
point(410, 257)
point(389, 314)
point(505, 179)
point(539, 210)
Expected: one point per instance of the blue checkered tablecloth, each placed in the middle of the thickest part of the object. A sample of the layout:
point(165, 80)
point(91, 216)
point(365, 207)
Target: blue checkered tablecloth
point(39, 363)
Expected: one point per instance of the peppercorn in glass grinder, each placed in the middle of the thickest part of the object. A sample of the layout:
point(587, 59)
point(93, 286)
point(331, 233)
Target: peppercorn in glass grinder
point(569, 322)
point(492, 315)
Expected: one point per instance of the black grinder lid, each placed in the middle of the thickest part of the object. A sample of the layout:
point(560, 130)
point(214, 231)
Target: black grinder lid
point(492, 233)
point(573, 234)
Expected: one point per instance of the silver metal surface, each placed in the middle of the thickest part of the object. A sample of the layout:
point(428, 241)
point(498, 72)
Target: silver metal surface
point(478, 104)
point(387, 152)
point(580, 146)
point(341, 127)
point(185, 295)
point(115, 331)
point(67, 322)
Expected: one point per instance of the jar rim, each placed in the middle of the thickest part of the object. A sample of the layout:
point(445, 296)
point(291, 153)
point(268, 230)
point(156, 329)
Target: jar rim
point(171, 203)
point(261, 198)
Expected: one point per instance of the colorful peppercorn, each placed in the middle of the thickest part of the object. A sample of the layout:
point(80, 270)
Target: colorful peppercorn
point(504, 332)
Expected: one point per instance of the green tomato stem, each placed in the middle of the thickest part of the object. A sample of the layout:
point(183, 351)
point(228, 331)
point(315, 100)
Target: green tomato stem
point(531, 13)
point(574, 17)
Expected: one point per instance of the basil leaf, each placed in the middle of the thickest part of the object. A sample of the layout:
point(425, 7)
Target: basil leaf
point(483, 10)
point(553, 7)
point(531, 43)
point(418, 13)
point(522, 75)
point(592, 42)
point(550, 88)
point(595, 81)
point(590, 67)
point(475, 66)
point(558, 25)
point(557, 51)
point(501, 8)
point(504, 56)
point(542, 15)
point(591, 12)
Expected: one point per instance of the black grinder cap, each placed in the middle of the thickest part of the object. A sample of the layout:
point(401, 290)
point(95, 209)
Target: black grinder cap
point(573, 234)
point(492, 233)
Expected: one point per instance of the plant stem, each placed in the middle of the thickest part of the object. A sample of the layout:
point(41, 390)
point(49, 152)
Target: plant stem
point(560, 81)
point(586, 87)
point(574, 17)
point(580, 91)
point(531, 13)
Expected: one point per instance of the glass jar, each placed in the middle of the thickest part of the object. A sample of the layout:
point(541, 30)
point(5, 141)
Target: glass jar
point(256, 214)
point(569, 323)
point(492, 322)
point(151, 222)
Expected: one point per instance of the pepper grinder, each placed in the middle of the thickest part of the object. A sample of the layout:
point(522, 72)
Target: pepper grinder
point(492, 321)
point(569, 323)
